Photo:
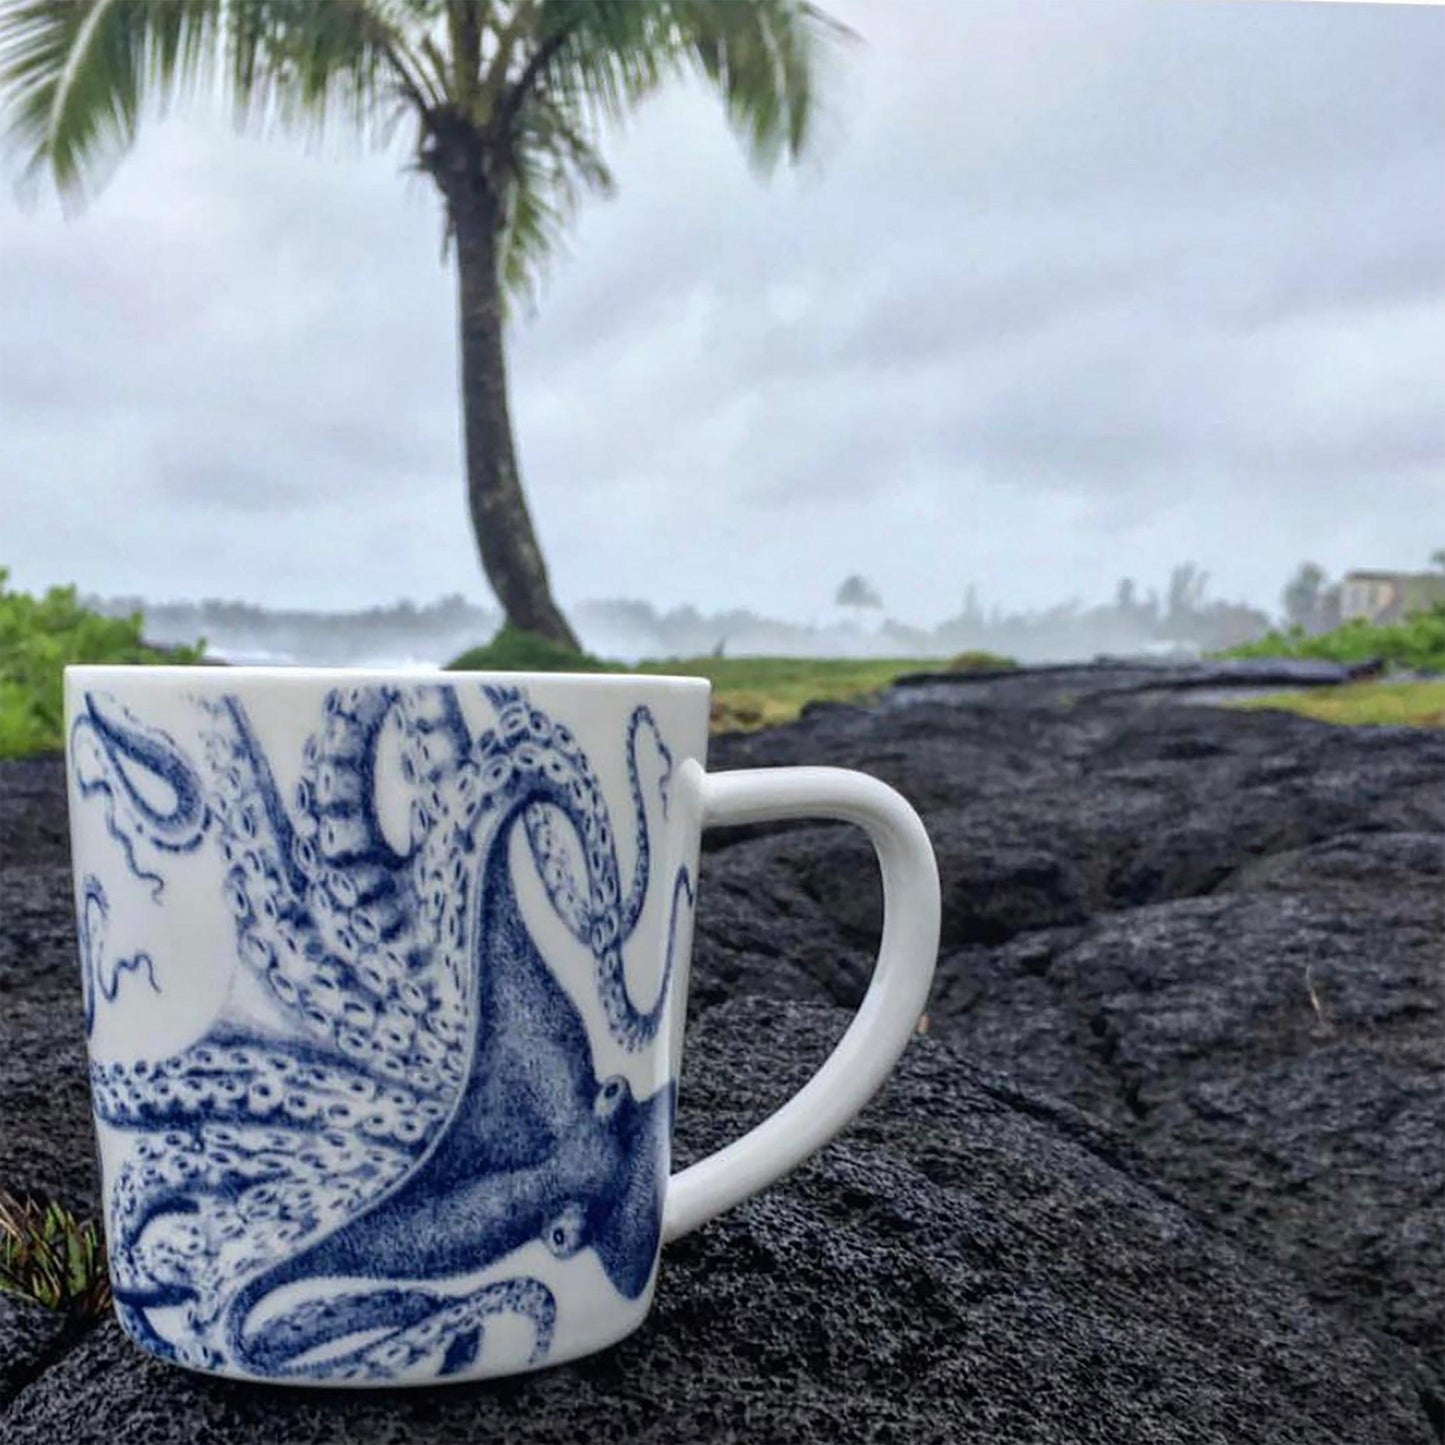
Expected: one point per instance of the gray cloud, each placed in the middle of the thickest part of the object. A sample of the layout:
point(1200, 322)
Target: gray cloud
point(1068, 293)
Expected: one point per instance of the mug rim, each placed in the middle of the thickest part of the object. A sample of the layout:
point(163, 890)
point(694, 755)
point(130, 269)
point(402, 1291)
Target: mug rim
point(341, 676)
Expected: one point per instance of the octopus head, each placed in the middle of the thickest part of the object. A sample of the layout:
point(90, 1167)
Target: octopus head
point(613, 1095)
point(625, 1219)
point(566, 1231)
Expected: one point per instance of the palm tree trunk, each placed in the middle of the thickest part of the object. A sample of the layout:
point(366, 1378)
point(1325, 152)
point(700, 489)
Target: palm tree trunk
point(505, 537)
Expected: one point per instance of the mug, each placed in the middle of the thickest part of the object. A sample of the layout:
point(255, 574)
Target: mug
point(384, 979)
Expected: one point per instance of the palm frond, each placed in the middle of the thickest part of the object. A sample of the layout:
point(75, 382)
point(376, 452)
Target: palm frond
point(765, 58)
point(78, 74)
point(553, 164)
point(600, 55)
point(300, 63)
point(589, 63)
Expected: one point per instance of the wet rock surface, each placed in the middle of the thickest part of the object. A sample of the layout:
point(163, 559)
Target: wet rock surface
point(1169, 1165)
point(968, 1263)
point(29, 1335)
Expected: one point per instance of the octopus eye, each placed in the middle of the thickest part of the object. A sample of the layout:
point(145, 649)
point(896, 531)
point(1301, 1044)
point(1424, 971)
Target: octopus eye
point(563, 1233)
point(610, 1095)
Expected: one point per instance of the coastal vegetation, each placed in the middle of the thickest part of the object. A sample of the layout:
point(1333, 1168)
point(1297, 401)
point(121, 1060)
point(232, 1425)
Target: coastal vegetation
point(40, 635)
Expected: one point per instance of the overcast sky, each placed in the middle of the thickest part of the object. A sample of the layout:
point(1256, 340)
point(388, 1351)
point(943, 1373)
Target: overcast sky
point(1067, 292)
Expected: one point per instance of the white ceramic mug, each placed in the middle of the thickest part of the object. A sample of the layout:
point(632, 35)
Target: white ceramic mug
point(385, 980)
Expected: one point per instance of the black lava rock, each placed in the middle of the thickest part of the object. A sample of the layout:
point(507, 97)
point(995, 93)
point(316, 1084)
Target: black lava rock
point(967, 1263)
point(1169, 1165)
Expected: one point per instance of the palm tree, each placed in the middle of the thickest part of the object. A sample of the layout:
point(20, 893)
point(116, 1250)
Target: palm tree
point(507, 99)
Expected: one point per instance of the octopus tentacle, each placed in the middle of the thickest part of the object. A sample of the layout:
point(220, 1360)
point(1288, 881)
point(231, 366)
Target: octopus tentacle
point(418, 1323)
point(637, 894)
point(601, 917)
point(106, 741)
point(195, 1210)
point(253, 1080)
point(93, 915)
point(524, 741)
point(330, 911)
point(550, 852)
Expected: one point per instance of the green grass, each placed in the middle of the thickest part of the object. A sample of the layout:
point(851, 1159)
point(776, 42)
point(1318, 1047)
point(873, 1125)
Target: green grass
point(1417, 643)
point(513, 650)
point(763, 692)
point(748, 692)
point(39, 636)
point(760, 692)
point(1402, 704)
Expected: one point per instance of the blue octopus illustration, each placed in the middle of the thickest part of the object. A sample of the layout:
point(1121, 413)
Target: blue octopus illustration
point(100, 975)
point(306, 1202)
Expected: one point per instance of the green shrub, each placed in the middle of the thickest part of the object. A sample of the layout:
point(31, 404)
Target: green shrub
point(977, 661)
point(1418, 642)
point(515, 650)
point(39, 636)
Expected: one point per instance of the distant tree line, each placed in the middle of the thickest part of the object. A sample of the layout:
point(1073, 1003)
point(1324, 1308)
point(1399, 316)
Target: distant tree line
point(243, 631)
point(1183, 617)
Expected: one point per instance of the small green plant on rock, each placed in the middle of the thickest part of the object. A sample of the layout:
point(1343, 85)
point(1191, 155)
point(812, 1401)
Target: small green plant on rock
point(52, 1258)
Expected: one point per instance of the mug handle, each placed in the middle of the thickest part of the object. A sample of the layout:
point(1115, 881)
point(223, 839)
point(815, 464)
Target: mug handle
point(890, 1010)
